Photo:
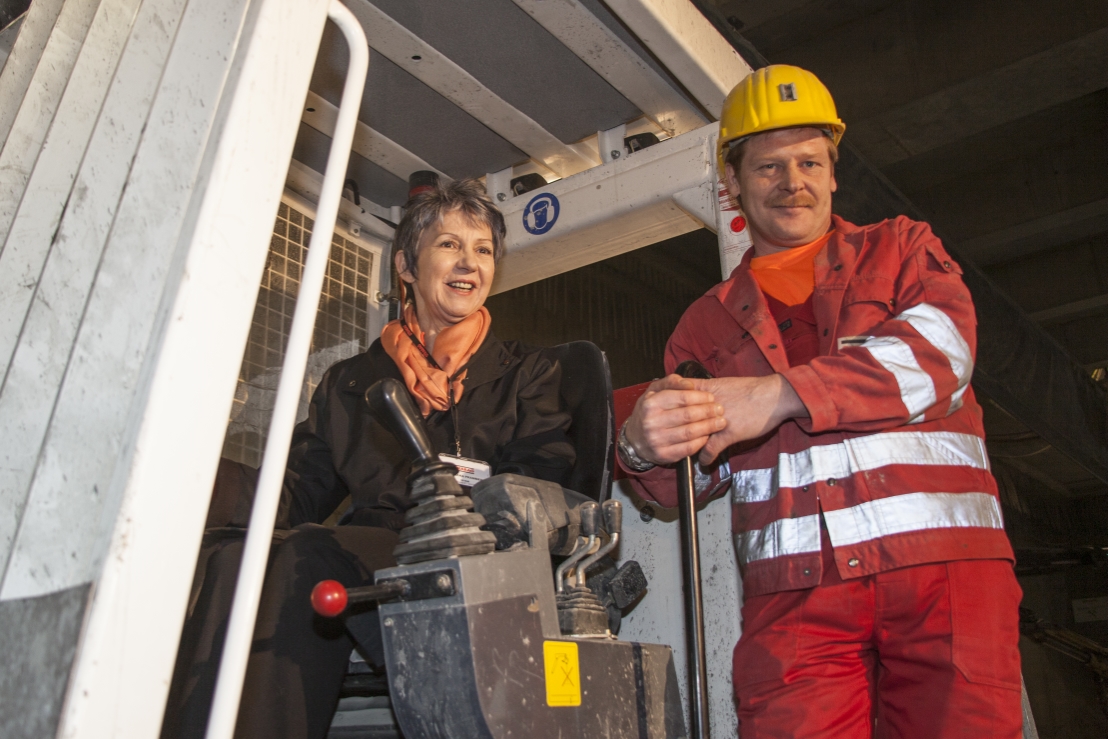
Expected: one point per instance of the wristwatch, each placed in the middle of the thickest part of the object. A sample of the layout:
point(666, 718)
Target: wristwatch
point(627, 453)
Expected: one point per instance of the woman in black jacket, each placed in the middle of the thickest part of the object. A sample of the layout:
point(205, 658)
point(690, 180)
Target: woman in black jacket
point(481, 399)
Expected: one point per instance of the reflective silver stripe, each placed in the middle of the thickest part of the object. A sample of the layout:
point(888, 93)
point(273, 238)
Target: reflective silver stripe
point(859, 455)
point(701, 479)
point(956, 399)
point(754, 486)
point(912, 512)
point(940, 331)
point(871, 520)
point(917, 389)
point(781, 538)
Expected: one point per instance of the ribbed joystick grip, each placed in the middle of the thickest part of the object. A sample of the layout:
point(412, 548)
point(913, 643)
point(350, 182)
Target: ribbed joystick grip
point(392, 406)
point(441, 523)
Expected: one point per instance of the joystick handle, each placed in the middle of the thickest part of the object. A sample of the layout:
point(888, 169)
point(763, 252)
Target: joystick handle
point(613, 516)
point(392, 406)
point(590, 518)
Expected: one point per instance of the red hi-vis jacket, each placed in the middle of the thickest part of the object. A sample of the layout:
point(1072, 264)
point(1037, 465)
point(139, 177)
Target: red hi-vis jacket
point(893, 455)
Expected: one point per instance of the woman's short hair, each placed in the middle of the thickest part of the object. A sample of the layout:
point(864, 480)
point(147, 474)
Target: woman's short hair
point(428, 207)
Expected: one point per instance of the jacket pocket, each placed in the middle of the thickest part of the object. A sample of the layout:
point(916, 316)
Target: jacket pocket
point(984, 614)
point(739, 357)
point(871, 289)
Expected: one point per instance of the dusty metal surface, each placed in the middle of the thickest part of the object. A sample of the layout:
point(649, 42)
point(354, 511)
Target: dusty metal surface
point(651, 537)
point(38, 637)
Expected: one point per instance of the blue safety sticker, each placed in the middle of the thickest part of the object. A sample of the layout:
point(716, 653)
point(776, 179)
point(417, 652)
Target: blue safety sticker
point(541, 214)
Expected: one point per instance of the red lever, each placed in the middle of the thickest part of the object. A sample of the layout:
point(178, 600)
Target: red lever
point(329, 598)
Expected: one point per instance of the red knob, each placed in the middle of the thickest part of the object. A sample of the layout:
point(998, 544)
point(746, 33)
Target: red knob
point(329, 598)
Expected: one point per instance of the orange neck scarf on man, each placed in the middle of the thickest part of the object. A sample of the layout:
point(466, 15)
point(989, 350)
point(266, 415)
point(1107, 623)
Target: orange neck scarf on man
point(429, 379)
point(790, 275)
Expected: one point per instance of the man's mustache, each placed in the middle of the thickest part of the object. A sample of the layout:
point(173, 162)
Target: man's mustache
point(801, 200)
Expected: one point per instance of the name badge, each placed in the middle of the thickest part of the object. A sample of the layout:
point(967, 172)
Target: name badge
point(470, 471)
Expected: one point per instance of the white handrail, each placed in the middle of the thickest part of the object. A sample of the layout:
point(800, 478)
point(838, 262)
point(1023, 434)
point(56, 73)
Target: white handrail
point(248, 592)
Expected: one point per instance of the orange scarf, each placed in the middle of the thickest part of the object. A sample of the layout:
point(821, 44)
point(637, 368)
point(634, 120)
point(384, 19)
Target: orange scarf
point(790, 275)
point(454, 346)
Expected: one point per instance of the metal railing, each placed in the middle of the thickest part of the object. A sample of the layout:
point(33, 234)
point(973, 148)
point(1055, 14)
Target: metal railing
point(240, 630)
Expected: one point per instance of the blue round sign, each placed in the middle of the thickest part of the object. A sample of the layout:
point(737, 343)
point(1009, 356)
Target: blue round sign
point(541, 214)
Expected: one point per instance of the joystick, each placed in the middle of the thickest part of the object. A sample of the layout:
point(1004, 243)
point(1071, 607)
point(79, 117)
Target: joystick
point(442, 523)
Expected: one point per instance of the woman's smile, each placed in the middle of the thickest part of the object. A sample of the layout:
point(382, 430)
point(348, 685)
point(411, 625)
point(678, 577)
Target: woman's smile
point(454, 272)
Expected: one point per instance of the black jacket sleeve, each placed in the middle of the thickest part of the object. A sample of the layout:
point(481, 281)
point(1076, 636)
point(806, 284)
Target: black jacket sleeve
point(312, 488)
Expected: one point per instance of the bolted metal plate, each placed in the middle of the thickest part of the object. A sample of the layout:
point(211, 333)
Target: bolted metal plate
point(436, 584)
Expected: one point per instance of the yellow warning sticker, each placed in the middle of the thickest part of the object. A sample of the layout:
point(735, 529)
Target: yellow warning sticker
point(563, 673)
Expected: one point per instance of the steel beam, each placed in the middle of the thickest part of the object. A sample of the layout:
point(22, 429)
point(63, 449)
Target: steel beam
point(1039, 234)
point(368, 142)
point(369, 217)
point(1076, 309)
point(431, 67)
point(688, 45)
point(1034, 83)
point(118, 492)
point(595, 44)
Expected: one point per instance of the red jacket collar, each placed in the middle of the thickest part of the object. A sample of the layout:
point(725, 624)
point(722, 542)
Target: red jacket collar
point(743, 299)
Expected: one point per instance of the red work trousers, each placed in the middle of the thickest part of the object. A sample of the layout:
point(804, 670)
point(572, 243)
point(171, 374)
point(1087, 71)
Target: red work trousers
point(920, 652)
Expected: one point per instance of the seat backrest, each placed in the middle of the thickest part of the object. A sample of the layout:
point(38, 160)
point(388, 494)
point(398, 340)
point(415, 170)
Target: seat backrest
point(586, 391)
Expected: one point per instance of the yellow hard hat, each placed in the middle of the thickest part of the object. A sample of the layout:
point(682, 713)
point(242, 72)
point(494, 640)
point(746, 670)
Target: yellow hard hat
point(777, 96)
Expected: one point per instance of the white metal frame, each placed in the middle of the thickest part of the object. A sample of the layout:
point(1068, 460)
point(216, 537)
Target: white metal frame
point(248, 590)
point(15, 77)
point(625, 204)
point(126, 654)
point(31, 122)
point(40, 181)
point(67, 251)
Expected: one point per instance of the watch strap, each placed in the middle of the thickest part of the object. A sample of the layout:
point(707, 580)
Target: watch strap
point(627, 453)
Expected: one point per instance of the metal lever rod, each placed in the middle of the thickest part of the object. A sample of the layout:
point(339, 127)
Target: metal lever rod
point(248, 590)
point(383, 591)
point(590, 512)
point(580, 550)
point(613, 522)
point(694, 600)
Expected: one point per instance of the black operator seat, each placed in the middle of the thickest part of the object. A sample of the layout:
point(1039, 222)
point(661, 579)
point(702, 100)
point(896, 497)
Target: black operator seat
point(586, 391)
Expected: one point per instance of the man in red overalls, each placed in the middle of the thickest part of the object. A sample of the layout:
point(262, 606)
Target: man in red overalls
point(879, 593)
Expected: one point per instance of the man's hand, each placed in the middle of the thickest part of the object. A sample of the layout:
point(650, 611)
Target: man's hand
point(753, 406)
point(672, 420)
